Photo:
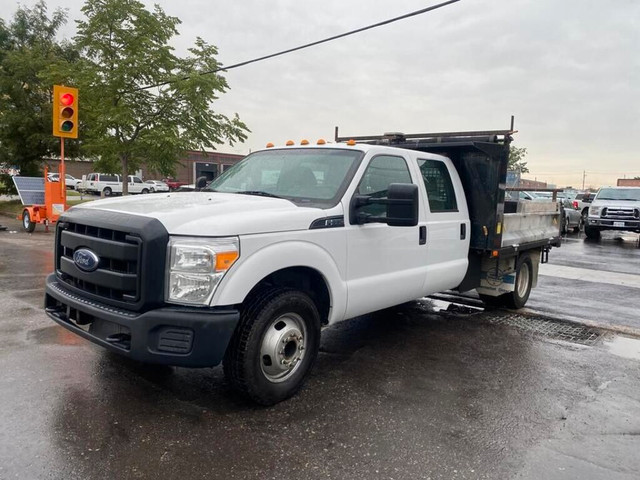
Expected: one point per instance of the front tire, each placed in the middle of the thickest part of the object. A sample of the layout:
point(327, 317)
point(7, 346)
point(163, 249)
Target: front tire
point(145, 191)
point(274, 346)
point(592, 233)
point(27, 224)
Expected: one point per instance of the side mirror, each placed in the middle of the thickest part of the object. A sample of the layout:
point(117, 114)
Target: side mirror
point(201, 182)
point(402, 211)
point(402, 206)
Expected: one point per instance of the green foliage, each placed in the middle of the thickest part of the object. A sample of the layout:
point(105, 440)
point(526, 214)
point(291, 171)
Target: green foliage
point(124, 47)
point(28, 48)
point(7, 187)
point(516, 159)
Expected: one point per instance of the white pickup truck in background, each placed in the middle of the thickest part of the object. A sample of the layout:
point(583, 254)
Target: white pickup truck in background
point(293, 239)
point(614, 208)
point(108, 184)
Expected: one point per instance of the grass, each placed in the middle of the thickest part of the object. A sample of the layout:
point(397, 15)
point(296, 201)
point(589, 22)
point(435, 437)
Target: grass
point(13, 208)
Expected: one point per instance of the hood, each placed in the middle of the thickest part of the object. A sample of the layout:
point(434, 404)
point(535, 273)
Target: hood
point(212, 213)
point(616, 203)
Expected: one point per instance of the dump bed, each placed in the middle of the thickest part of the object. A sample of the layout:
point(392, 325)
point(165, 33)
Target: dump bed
point(481, 159)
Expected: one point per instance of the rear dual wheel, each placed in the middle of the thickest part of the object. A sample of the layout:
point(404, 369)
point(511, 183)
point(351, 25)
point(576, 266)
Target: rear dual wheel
point(522, 288)
point(274, 346)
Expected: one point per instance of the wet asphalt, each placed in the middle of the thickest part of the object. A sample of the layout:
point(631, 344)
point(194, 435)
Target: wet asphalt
point(407, 393)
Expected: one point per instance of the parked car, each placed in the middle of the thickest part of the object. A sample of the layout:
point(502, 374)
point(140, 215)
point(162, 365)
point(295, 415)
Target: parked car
point(71, 182)
point(571, 217)
point(157, 186)
point(173, 183)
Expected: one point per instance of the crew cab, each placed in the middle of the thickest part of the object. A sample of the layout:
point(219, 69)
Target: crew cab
point(614, 208)
point(249, 270)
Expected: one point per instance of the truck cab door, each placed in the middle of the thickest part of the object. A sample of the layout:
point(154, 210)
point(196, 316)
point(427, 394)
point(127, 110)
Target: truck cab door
point(385, 265)
point(447, 225)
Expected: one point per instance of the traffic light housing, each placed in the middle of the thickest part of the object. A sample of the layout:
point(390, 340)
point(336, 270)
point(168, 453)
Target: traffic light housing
point(65, 112)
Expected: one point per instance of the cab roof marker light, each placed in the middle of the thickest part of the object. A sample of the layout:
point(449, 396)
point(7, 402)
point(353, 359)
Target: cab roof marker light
point(289, 143)
point(269, 145)
point(321, 141)
point(351, 142)
point(304, 141)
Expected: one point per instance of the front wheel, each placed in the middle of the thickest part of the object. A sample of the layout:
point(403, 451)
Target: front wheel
point(592, 232)
point(145, 191)
point(27, 224)
point(274, 346)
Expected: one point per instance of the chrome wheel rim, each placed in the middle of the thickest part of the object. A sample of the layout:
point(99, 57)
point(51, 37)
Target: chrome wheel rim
point(26, 221)
point(523, 280)
point(282, 349)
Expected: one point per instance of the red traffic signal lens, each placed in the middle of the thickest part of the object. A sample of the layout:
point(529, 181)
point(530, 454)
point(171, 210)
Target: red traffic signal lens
point(66, 126)
point(66, 99)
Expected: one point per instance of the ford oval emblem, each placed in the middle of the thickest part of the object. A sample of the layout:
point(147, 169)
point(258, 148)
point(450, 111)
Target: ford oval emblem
point(86, 260)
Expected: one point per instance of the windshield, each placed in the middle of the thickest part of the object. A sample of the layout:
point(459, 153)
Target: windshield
point(303, 175)
point(627, 194)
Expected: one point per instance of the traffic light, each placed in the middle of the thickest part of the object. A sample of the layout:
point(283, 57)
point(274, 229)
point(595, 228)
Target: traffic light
point(65, 112)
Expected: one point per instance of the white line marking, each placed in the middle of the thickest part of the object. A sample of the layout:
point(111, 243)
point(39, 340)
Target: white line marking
point(594, 276)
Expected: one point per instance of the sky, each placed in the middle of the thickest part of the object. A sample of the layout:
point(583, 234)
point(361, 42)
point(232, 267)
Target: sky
point(568, 70)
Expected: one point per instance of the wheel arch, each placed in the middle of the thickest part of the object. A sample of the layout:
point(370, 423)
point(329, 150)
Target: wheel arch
point(299, 265)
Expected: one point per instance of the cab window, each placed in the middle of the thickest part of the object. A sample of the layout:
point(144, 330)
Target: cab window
point(437, 181)
point(382, 170)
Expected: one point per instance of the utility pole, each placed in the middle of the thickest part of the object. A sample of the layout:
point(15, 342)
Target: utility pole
point(584, 174)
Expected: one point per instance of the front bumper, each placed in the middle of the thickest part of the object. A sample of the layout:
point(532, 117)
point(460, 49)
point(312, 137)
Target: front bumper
point(610, 224)
point(180, 336)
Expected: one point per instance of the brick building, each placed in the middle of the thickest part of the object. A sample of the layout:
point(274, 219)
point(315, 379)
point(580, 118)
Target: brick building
point(629, 182)
point(193, 165)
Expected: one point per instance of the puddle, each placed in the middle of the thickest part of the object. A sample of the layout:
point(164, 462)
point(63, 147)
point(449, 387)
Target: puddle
point(55, 335)
point(625, 347)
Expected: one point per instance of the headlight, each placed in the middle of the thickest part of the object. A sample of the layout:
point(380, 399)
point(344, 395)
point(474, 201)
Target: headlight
point(196, 266)
point(595, 211)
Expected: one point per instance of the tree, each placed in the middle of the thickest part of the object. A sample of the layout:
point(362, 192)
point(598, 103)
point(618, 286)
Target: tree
point(126, 47)
point(28, 47)
point(516, 157)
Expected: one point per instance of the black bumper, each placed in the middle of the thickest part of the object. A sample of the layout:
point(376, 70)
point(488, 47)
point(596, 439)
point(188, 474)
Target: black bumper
point(180, 336)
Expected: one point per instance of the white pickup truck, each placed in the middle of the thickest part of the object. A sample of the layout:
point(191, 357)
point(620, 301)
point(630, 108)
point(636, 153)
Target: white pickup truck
point(614, 208)
point(108, 184)
point(290, 240)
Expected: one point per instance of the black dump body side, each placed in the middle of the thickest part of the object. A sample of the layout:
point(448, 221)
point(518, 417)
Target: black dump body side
point(481, 159)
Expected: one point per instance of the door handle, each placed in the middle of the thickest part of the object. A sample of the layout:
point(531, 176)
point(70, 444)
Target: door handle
point(423, 235)
point(463, 231)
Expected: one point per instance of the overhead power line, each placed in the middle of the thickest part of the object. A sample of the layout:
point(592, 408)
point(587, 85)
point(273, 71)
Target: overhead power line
point(301, 47)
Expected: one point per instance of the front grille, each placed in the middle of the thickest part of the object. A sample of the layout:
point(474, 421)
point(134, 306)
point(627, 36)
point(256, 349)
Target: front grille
point(620, 213)
point(117, 277)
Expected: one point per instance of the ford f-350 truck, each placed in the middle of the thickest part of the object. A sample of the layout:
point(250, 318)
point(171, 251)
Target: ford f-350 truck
point(290, 240)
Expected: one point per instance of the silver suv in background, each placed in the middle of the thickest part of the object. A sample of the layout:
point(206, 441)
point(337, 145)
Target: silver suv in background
point(614, 208)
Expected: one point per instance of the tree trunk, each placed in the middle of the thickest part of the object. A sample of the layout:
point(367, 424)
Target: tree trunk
point(125, 174)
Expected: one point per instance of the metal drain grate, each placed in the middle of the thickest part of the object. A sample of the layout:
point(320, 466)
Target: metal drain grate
point(547, 327)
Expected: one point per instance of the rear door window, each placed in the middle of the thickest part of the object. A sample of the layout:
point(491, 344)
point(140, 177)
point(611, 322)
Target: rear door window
point(437, 181)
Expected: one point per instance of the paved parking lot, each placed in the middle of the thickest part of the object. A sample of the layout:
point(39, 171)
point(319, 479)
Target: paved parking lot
point(406, 393)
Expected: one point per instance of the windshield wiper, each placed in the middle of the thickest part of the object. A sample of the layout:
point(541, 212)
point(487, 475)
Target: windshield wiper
point(258, 193)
